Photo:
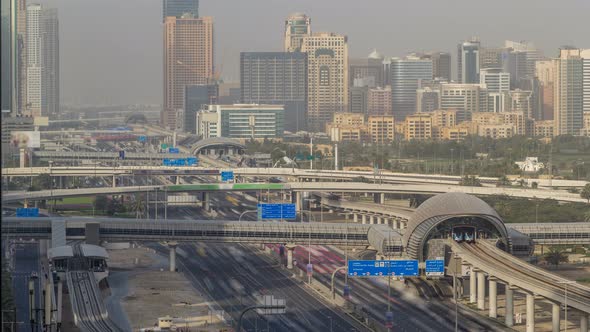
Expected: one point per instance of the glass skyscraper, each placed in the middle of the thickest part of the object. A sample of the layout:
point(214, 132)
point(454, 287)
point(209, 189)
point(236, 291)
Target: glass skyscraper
point(468, 62)
point(178, 7)
point(406, 75)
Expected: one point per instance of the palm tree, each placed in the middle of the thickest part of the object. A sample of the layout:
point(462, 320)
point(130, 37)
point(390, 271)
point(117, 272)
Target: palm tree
point(138, 206)
point(503, 181)
point(585, 193)
point(555, 256)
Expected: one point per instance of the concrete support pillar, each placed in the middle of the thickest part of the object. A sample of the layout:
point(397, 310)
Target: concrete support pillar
point(555, 319)
point(177, 180)
point(114, 181)
point(363, 219)
point(385, 221)
point(59, 300)
point(205, 201)
point(371, 220)
point(530, 313)
point(379, 198)
point(472, 287)
point(172, 257)
point(584, 321)
point(346, 216)
point(290, 249)
point(481, 290)
point(355, 217)
point(493, 298)
point(509, 319)
point(296, 198)
point(379, 220)
point(47, 312)
point(394, 223)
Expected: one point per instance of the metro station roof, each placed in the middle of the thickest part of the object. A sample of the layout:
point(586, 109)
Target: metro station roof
point(442, 207)
point(60, 252)
point(89, 250)
point(215, 141)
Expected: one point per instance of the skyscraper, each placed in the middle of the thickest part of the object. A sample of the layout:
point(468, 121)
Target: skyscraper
point(406, 75)
point(297, 26)
point(327, 75)
point(492, 57)
point(6, 68)
point(468, 61)
point(441, 65)
point(177, 8)
point(568, 96)
point(276, 78)
point(188, 59)
point(544, 72)
point(195, 98)
point(585, 54)
point(21, 55)
point(50, 60)
point(369, 68)
point(531, 55)
point(495, 80)
point(34, 62)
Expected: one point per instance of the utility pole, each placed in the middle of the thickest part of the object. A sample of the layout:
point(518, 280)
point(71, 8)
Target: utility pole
point(311, 152)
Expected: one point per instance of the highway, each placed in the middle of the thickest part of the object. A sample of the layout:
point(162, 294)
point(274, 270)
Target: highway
point(26, 261)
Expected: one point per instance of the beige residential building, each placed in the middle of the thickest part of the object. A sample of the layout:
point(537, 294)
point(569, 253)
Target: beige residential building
point(327, 88)
point(347, 127)
point(381, 128)
point(466, 97)
point(496, 131)
point(544, 128)
point(188, 59)
point(379, 101)
point(444, 118)
point(522, 101)
point(352, 119)
point(515, 119)
point(297, 26)
point(456, 133)
point(418, 127)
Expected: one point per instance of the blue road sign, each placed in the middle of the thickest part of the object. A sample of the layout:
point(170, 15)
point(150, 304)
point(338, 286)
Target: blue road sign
point(122, 154)
point(398, 268)
point(309, 269)
point(142, 138)
point(192, 161)
point(435, 267)
point(276, 211)
point(173, 150)
point(27, 212)
point(227, 176)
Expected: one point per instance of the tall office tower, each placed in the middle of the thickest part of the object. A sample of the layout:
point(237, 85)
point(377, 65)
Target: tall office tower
point(50, 60)
point(21, 55)
point(297, 26)
point(276, 78)
point(406, 75)
point(427, 100)
point(492, 57)
point(386, 65)
point(195, 98)
point(544, 72)
point(34, 104)
point(468, 61)
point(522, 101)
point(327, 77)
point(531, 55)
point(441, 65)
point(516, 63)
point(370, 69)
point(176, 8)
point(188, 59)
point(379, 101)
point(5, 69)
point(358, 99)
point(585, 54)
point(568, 96)
point(495, 80)
point(470, 98)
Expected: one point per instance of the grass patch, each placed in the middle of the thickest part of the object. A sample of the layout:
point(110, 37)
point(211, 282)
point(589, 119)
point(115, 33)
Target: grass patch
point(76, 200)
point(584, 280)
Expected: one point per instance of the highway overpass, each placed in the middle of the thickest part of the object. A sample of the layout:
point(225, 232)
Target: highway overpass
point(300, 174)
point(298, 187)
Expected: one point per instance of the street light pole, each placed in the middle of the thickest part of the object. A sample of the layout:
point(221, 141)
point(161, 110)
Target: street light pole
point(565, 283)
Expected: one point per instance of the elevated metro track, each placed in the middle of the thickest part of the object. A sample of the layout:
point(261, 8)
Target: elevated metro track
point(426, 189)
point(517, 273)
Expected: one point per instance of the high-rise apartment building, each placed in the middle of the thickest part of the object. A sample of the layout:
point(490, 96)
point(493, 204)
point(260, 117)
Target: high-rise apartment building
point(381, 128)
point(568, 96)
point(327, 77)
point(531, 56)
point(466, 97)
point(6, 56)
point(34, 61)
point(379, 101)
point(196, 97)
point(495, 80)
point(297, 26)
point(406, 75)
point(418, 127)
point(188, 59)
point(492, 57)
point(276, 78)
point(468, 61)
point(176, 8)
point(369, 69)
point(585, 54)
point(522, 101)
point(427, 100)
point(50, 60)
point(358, 99)
point(544, 72)
point(441, 65)
point(21, 56)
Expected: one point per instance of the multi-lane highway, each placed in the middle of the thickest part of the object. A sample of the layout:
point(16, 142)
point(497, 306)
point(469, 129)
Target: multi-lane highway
point(26, 264)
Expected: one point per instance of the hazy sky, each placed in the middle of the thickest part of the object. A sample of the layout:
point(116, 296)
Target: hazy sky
point(111, 50)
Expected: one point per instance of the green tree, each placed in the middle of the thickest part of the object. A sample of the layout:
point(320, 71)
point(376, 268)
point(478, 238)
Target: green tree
point(556, 256)
point(114, 206)
point(100, 203)
point(535, 185)
point(585, 193)
point(471, 181)
point(503, 181)
point(522, 182)
point(138, 206)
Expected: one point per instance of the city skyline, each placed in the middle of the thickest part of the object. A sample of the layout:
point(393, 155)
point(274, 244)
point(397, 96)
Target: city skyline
point(137, 71)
